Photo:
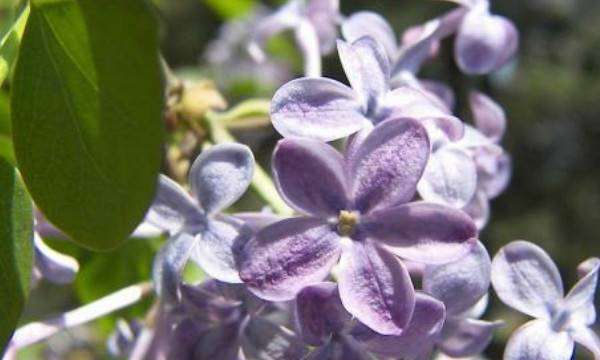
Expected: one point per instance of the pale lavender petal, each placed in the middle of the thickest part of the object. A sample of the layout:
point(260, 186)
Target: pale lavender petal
point(264, 340)
point(308, 43)
point(45, 228)
point(484, 42)
point(466, 337)
point(323, 14)
point(146, 230)
point(423, 232)
point(413, 54)
point(390, 161)
point(375, 287)
point(287, 256)
point(526, 279)
point(367, 68)
point(450, 178)
point(310, 176)
point(216, 247)
point(168, 265)
point(536, 340)
point(52, 265)
point(461, 283)
point(366, 23)
point(256, 221)
point(580, 300)
point(589, 339)
point(173, 207)
point(478, 209)
point(286, 17)
point(493, 184)
point(317, 108)
point(220, 175)
point(489, 117)
point(319, 313)
point(441, 90)
point(423, 330)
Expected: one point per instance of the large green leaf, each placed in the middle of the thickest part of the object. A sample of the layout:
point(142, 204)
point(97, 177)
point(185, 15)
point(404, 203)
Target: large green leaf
point(86, 112)
point(16, 253)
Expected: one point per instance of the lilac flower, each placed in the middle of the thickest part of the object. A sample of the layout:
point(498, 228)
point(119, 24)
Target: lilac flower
point(355, 208)
point(462, 286)
point(314, 23)
point(323, 322)
point(215, 320)
point(526, 279)
point(466, 173)
point(325, 109)
point(218, 177)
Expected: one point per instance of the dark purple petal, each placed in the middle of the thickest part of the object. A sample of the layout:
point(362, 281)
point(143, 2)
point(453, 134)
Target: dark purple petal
point(220, 342)
point(264, 340)
point(52, 265)
point(461, 283)
point(310, 176)
point(169, 263)
point(367, 68)
point(173, 207)
point(424, 232)
point(317, 108)
point(526, 279)
point(466, 337)
point(319, 313)
point(484, 42)
point(488, 115)
point(417, 339)
point(220, 175)
point(537, 340)
point(386, 168)
point(287, 256)
point(366, 23)
point(375, 287)
point(342, 348)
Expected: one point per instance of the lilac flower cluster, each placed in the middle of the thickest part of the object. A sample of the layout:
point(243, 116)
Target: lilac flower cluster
point(381, 258)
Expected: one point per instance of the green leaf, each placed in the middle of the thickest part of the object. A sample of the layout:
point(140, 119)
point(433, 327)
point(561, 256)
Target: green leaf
point(16, 253)
point(87, 115)
point(231, 8)
point(9, 45)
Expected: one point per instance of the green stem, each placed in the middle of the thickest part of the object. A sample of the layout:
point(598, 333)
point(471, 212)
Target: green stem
point(261, 182)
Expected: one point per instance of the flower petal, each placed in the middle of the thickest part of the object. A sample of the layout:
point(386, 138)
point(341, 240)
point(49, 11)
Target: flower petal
point(310, 176)
point(423, 232)
point(220, 175)
point(287, 256)
point(478, 209)
point(450, 178)
point(461, 283)
point(526, 279)
point(52, 265)
point(494, 183)
point(323, 14)
point(264, 340)
point(441, 90)
point(367, 23)
point(417, 339)
point(580, 299)
point(319, 313)
point(388, 164)
point(257, 221)
point(489, 117)
point(588, 338)
point(316, 108)
point(286, 17)
point(484, 42)
point(466, 337)
point(342, 348)
point(536, 340)
point(413, 54)
point(172, 207)
point(308, 42)
point(215, 251)
point(169, 263)
point(376, 288)
point(367, 68)
point(219, 342)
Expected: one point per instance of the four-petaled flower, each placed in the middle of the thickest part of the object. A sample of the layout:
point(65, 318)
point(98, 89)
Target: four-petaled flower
point(526, 279)
point(355, 208)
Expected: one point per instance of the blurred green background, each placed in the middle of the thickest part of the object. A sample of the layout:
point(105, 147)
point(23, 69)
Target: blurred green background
point(551, 94)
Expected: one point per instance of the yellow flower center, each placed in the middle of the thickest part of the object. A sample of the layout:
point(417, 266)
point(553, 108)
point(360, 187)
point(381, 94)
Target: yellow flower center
point(347, 221)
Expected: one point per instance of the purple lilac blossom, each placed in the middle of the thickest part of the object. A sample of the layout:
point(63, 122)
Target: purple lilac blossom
point(218, 177)
point(355, 211)
point(323, 322)
point(526, 279)
point(314, 23)
point(325, 109)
